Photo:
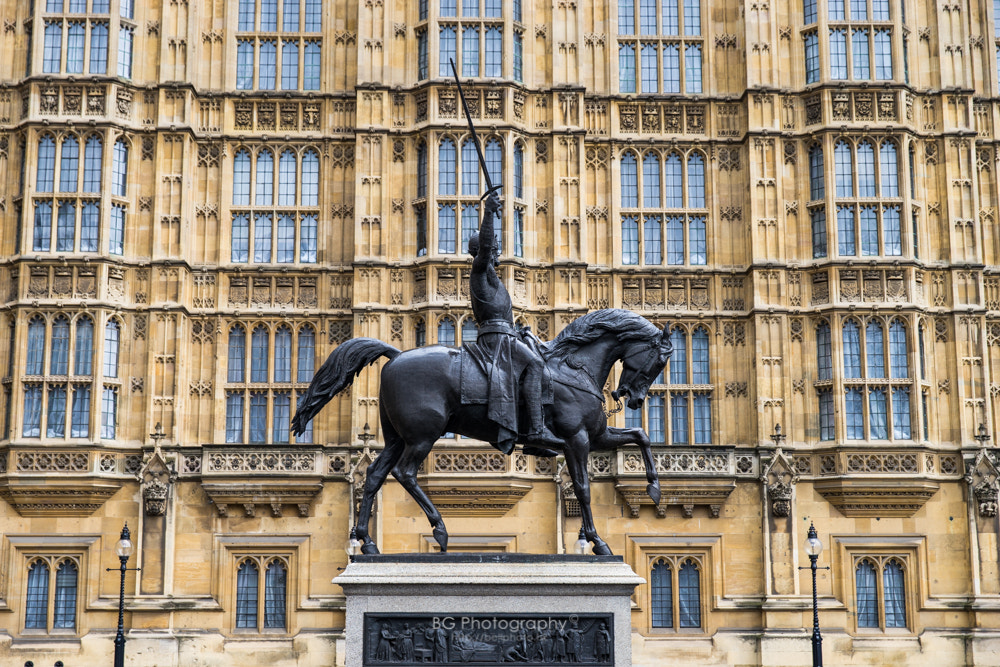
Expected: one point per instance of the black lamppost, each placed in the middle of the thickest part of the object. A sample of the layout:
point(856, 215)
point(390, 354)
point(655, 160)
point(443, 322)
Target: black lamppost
point(813, 548)
point(124, 550)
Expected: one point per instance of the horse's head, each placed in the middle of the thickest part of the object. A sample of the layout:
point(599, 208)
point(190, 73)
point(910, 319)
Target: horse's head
point(642, 361)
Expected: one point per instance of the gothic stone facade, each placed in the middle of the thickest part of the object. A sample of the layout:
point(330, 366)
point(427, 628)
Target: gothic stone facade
point(200, 200)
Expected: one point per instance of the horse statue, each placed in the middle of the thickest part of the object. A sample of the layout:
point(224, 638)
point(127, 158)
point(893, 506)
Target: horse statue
point(420, 400)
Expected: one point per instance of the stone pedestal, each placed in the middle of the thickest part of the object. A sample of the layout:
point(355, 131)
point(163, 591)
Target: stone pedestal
point(488, 609)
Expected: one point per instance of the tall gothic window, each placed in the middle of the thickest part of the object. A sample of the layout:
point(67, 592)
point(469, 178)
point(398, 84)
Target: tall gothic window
point(280, 229)
point(61, 354)
point(459, 190)
point(281, 362)
point(675, 592)
point(661, 52)
point(51, 600)
point(261, 602)
point(279, 45)
point(78, 32)
point(869, 205)
point(664, 213)
point(880, 592)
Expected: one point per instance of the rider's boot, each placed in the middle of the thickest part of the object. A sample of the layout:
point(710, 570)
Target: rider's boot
point(539, 451)
point(539, 433)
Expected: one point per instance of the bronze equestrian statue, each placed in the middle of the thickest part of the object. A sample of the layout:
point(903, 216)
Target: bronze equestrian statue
point(502, 361)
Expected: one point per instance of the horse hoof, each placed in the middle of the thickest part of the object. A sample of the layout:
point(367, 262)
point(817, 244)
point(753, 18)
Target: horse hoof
point(602, 549)
point(369, 548)
point(654, 492)
point(441, 537)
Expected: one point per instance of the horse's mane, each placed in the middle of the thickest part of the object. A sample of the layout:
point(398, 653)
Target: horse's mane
point(588, 328)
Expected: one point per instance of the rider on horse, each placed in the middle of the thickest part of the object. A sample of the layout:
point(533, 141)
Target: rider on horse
point(510, 356)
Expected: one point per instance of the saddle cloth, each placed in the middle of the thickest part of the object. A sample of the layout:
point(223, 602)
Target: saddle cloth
point(475, 374)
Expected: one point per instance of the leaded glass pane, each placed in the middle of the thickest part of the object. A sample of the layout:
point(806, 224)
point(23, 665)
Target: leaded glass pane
point(262, 224)
point(838, 53)
point(674, 179)
point(824, 353)
point(283, 354)
point(112, 336)
point(92, 164)
point(662, 607)
point(895, 595)
point(671, 68)
point(866, 595)
point(241, 238)
point(817, 219)
point(55, 420)
point(259, 342)
point(854, 415)
point(653, 254)
point(826, 426)
point(675, 240)
point(447, 45)
point(877, 414)
point(626, 68)
point(234, 417)
point(866, 169)
point(846, 243)
point(32, 411)
point(258, 417)
point(80, 419)
point(901, 413)
point(678, 418)
point(629, 181)
point(692, 68)
point(36, 602)
point(689, 595)
point(289, 64)
point(647, 65)
point(817, 189)
point(59, 357)
point(69, 165)
point(630, 239)
point(852, 350)
point(65, 602)
point(446, 229)
point(869, 230)
point(286, 179)
point(282, 417)
point(109, 413)
point(470, 54)
point(678, 360)
point(702, 419)
point(307, 240)
point(119, 169)
point(655, 418)
point(267, 72)
point(892, 231)
point(246, 595)
point(274, 595)
point(286, 239)
point(84, 353)
point(446, 167)
point(306, 354)
point(66, 227)
point(45, 171)
point(844, 168)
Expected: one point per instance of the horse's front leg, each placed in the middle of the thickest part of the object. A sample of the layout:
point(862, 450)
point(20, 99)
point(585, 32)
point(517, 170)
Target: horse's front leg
point(577, 450)
point(405, 473)
point(613, 438)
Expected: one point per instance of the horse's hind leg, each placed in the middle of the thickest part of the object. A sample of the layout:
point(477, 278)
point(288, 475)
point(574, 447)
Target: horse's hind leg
point(576, 463)
point(375, 477)
point(406, 473)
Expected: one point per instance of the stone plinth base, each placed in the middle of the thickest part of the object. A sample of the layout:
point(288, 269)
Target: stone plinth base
point(488, 609)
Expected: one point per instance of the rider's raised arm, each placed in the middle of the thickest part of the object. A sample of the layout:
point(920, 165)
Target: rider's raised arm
point(487, 237)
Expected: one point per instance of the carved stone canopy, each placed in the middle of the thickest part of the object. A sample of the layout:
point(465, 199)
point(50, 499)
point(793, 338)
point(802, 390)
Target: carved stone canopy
point(50, 496)
point(475, 497)
point(687, 493)
point(779, 479)
point(268, 477)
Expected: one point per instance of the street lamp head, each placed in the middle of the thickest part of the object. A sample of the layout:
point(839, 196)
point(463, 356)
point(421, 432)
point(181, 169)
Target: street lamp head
point(580, 546)
point(813, 546)
point(124, 546)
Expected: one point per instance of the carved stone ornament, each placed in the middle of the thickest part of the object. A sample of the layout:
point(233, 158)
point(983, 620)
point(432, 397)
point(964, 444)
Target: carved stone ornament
point(780, 477)
point(983, 482)
point(154, 497)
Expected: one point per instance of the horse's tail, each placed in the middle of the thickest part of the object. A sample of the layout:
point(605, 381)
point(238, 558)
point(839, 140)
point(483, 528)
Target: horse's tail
point(336, 374)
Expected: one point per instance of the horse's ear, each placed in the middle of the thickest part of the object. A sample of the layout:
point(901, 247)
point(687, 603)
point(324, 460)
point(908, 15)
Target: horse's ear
point(665, 337)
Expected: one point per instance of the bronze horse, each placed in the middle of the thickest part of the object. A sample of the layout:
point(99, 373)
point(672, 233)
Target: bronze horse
point(419, 400)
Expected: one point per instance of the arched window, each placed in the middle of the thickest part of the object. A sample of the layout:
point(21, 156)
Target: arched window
point(246, 595)
point(824, 354)
point(469, 330)
point(866, 169)
point(241, 178)
point(265, 178)
point(447, 45)
point(84, 352)
point(258, 417)
point(112, 336)
point(65, 602)
point(69, 165)
point(661, 590)
point(817, 185)
point(626, 67)
point(42, 229)
point(282, 417)
point(286, 238)
point(66, 226)
point(898, 359)
point(852, 350)
point(493, 152)
point(36, 346)
point(420, 334)
point(80, 417)
point(289, 65)
point(889, 169)
point(674, 178)
point(259, 354)
point(109, 413)
point(844, 168)
point(59, 360)
point(286, 179)
point(689, 594)
point(518, 170)
point(629, 181)
point(56, 418)
point(895, 595)
point(470, 51)
point(875, 350)
point(494, 53)
point(307, 354)
point(92, 160)
point(446, 332)
point(699, 356)
point(46, 170)
point(52, 52)
point(470, 168)
point(421, 169)
point(446, 167)
point(32, 411)
point(240, 251)
point(36, 604)
point(696, 181)
point(310, 178)
point(119, 169)
point(651, 181)
point(283, 354)
point(262, 234)
point(274, 595)
point(866, 595)
point(678, 360)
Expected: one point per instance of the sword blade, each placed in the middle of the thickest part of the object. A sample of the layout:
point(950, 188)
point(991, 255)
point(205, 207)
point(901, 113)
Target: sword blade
point(472, 129)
